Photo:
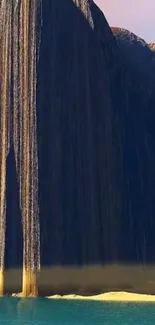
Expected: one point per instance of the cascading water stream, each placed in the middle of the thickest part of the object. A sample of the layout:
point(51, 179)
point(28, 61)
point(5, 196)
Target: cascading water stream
point(4, 123)
point(18, 47)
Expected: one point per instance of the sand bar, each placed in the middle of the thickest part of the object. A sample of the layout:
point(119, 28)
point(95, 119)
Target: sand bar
point(110, 296)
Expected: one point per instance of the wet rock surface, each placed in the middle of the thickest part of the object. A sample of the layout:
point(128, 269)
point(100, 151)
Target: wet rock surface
point(96, 143)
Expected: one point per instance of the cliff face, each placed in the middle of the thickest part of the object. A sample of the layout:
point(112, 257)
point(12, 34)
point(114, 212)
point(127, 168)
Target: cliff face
point(96, 142)
point(133, 98)
point(79, 166)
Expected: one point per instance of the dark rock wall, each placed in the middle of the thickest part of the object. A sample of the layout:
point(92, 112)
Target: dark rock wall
point(96, 145)
point(77, 156)
point(133, 98)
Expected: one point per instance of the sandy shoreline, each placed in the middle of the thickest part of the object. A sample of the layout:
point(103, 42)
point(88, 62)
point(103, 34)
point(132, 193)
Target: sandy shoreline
point(110, 296)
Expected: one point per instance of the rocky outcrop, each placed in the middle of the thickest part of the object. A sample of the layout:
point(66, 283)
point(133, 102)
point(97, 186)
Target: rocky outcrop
point(136, 50)
point(152, 46)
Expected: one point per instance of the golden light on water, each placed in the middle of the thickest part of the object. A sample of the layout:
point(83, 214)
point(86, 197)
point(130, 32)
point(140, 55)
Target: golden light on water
point(18, 61)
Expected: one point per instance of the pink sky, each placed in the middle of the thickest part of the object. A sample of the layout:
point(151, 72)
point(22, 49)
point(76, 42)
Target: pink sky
point(136, 15)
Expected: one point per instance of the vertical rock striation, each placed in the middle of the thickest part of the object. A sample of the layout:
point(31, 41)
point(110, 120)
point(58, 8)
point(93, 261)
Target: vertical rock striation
point(80, 189)
point(94, 118)
point(97, 109)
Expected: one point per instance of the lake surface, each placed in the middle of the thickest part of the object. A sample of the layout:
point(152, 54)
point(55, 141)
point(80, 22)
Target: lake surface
point(62, 312)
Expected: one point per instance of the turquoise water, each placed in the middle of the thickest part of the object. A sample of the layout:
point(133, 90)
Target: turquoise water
point(59, 312)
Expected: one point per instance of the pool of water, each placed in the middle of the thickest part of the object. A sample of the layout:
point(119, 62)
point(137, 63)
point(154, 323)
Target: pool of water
point(62, 312)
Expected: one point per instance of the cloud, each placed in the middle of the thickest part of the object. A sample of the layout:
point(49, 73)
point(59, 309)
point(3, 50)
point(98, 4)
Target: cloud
point(136, 15)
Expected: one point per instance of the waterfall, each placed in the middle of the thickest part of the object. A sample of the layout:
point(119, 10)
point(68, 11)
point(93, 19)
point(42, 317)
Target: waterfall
point(18, 60)
point(5, 69)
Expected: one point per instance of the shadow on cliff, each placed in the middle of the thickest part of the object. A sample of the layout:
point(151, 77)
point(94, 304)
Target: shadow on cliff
point(95, 132)
point(14, 244)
